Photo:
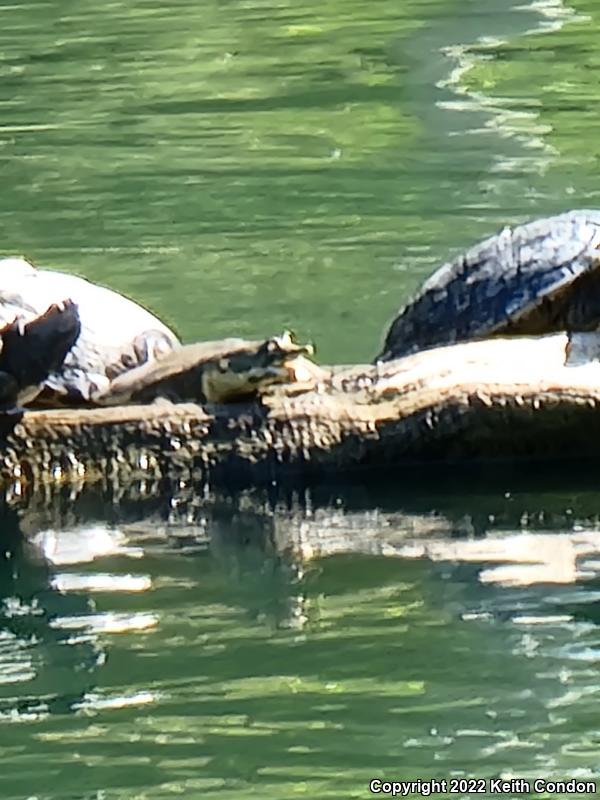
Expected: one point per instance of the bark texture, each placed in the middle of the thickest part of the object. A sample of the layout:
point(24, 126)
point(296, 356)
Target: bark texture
point(489, 399)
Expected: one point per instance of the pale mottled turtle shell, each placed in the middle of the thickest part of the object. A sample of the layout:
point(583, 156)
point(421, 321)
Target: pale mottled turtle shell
point(116, 333)
point(532, 279)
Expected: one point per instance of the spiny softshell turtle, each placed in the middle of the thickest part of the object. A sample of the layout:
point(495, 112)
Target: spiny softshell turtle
point(30, 351)
point(541, 277)
point(116, 333)
point(213, 372)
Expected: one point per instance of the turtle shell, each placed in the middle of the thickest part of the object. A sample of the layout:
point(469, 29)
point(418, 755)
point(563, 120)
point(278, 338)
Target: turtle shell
point(29, 352)
point(536, 278)
point(116, 333)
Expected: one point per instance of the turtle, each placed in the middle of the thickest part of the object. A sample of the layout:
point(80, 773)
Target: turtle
point(30, 351)
point(539, 277)
point(223, 371)
point(116, 333)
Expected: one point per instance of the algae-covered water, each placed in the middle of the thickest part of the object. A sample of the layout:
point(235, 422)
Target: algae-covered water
point(242, 167)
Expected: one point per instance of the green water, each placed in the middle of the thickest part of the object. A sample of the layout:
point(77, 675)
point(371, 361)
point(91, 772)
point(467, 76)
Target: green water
point(240, 167)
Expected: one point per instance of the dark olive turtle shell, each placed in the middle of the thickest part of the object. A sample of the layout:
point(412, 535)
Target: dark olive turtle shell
point(29, 352)
point(536, 278)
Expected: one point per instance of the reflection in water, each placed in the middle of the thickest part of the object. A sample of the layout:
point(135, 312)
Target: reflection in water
point(82, 544)
point(527, 559)
point(94, 702)
point(283, 618)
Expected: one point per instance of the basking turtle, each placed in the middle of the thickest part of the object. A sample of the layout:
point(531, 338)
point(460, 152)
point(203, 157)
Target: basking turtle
point(116, 333)
point(30, 351)
point(209, 372)
point(537, 278)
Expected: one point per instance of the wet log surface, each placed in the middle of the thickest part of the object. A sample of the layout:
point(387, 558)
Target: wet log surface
point(494, 399)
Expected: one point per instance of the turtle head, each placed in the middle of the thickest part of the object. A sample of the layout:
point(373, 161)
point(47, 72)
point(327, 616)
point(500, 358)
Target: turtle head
point(254, 366)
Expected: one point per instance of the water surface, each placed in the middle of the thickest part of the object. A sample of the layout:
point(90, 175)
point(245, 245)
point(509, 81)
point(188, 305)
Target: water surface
point(241, 167)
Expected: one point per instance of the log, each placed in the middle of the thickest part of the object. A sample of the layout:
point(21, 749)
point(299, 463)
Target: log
point(516, 398)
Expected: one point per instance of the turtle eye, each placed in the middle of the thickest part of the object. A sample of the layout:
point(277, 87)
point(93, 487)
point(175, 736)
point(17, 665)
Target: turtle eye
point(223, 364)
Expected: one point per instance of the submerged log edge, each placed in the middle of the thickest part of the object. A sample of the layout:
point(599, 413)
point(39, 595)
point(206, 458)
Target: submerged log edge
point(499, 398)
